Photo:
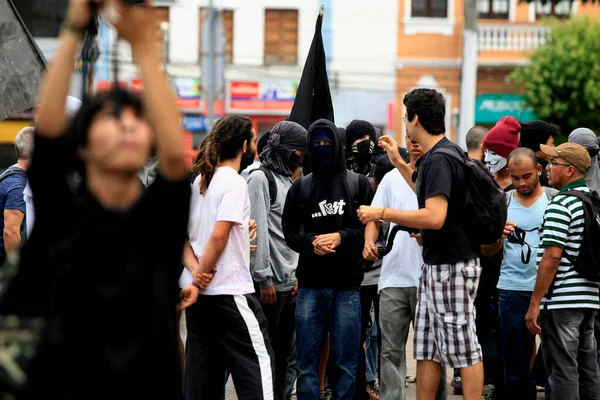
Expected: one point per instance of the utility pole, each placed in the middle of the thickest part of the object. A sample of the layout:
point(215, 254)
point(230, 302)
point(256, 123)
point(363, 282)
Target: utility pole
point(208, 75)
point(468, 80)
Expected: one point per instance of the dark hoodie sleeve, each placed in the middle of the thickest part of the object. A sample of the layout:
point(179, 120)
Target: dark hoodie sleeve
point(291, 222)
point(353, 238)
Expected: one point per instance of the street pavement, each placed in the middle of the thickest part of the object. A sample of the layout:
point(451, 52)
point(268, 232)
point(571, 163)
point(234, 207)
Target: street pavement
point(411, 393)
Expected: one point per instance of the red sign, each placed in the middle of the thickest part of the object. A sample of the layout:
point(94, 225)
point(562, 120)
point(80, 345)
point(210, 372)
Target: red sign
point(188, 104)
point(266, 97)
point(248, 90)
point(267, 105)
point(137, 86)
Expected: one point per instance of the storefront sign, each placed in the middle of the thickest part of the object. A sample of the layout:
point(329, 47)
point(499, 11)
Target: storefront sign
point(189, 94)
point(194, 123)
point(489, 108)
point(265, 97)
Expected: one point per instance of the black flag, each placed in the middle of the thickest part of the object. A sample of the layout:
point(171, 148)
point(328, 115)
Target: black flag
point(313, 98)
point(21, 63)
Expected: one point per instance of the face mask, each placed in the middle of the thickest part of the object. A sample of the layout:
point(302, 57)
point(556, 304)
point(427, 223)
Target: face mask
point(247, 159)
point(361, 156)
point(494, 162)
point(323, 156)
point(295, 161)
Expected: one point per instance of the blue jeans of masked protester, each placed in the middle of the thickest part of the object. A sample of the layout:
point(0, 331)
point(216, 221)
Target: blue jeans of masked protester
point(319, 311)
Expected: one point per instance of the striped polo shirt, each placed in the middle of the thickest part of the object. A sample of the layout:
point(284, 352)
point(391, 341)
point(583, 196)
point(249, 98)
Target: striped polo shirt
point(563, 227)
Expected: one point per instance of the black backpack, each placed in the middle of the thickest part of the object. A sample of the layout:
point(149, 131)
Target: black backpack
point(587, 263)
point(485, 202)
point(271, 180)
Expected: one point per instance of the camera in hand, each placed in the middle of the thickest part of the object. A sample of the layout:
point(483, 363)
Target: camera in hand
point(384, 249)
point(517, 236)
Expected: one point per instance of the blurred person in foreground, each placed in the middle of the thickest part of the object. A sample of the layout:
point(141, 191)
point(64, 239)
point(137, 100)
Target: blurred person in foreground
point(71, 107)
point(102, 262)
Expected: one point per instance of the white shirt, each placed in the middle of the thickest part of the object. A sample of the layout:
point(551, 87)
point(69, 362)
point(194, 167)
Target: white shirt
point(29, 209)
point(402, 266)
point(226, 199)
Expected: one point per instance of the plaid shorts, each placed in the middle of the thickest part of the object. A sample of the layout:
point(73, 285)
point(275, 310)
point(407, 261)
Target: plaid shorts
point(445, 325)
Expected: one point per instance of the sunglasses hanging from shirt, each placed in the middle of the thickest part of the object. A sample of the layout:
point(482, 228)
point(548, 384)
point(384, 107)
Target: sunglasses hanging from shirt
point(518, 236)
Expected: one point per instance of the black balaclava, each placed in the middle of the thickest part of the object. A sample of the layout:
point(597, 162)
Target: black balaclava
point(360, 155)
point(323, 155)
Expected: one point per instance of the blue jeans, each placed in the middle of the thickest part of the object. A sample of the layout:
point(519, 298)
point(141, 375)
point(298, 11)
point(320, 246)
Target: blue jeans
point(372, 354)
point(517, 344)
point(319, 311)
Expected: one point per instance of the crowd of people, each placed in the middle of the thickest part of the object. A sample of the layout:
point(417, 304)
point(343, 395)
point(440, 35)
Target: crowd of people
point(303, 276)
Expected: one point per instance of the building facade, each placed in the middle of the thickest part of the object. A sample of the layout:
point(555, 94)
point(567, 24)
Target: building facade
point(430, 52)
point(261, 52)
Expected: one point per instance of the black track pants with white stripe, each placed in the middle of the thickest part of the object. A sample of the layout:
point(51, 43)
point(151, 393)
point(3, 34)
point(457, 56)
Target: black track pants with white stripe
point(228, 332)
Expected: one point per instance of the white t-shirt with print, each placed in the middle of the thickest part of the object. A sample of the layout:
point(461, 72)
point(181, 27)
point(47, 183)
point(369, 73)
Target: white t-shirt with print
point(402, 266)
point(226, 199)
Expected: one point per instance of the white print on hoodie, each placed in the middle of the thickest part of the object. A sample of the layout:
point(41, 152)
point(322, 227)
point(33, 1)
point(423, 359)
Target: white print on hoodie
point(337, 207)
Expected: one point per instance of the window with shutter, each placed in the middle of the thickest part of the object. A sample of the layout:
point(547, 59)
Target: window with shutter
point(493, 9)
point(429, 8)
point(281, 37)
point(227, 16)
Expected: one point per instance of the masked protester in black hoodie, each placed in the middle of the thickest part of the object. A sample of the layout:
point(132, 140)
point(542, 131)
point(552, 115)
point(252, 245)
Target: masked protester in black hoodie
point(361, 137)
point(320, 223)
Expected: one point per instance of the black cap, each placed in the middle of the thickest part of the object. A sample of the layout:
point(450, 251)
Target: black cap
point(534, 133)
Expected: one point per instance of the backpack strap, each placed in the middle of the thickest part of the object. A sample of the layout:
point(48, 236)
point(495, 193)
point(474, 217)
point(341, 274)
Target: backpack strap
point(352, 183)
point(580, 195)
point(16, 171)
point(550, 192)
point(450, 153)
point(509, 196)
point(272, 184)
point(305, 184)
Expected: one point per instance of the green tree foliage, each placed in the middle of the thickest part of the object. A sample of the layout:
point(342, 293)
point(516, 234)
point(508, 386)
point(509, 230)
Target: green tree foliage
point(562, 83)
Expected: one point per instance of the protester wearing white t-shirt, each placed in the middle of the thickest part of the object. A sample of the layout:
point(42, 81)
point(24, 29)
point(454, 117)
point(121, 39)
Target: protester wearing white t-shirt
point(398, 282)
point(227, 329)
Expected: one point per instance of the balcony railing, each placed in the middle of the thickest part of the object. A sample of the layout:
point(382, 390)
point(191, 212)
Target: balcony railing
point(511, 37)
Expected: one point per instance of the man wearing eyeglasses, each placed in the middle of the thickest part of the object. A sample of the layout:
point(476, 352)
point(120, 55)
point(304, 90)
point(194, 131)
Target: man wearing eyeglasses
point(569, 302)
